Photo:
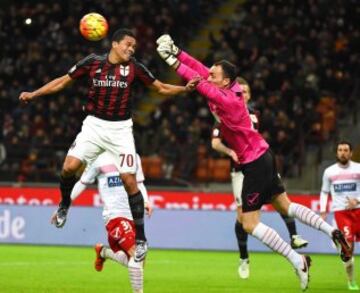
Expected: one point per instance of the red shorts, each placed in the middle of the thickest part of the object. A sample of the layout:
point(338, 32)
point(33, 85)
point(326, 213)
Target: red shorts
point(121, 234)
point(348, 221)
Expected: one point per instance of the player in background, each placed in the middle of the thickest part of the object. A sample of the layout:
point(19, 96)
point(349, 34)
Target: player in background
point(108, 125)
point(342, 181)
point(237, 178)
point(116, 214)
point(262, 182)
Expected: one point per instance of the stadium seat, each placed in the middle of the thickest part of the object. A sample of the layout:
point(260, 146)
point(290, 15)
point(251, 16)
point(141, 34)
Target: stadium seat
point(220, 170)
point(154, 168)
point(202, 172)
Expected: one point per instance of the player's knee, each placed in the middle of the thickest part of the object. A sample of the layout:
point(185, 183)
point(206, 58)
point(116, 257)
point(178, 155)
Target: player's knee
point(239, 216)
point(248, 226)
point(70, 167)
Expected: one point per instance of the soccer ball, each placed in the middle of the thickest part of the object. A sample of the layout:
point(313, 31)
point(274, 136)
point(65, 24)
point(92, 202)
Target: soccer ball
point(93, 26)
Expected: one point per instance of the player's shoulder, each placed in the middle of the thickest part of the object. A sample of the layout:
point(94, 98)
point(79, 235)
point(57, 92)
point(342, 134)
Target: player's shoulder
point(136, 61)
point(141, 68)
point(138, 64)
point(332, 168)
point(355, 164)
point(92, 58)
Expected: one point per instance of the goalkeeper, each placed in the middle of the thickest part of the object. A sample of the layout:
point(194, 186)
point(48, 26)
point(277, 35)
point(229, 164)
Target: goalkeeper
point(262, 183)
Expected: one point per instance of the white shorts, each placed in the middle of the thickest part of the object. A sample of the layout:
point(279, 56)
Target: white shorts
point(237, 179)
point(115, 137)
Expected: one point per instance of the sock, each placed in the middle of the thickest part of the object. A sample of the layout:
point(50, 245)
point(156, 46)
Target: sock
point(119, 256)
point(290, 225)
point(349, 268)
point(136, 275)
point(273, 240)
point(241, 237)
point(66, 186)
point(308, 217)
point(136, 202)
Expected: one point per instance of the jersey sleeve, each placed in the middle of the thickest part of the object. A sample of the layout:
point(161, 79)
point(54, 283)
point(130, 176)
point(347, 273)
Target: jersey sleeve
point(82, 67)
point(212, 93)
point(143, 73)
point(216, 132)
point(326, 184)
point(139, 171)
point(90, 174)
point(196, 65)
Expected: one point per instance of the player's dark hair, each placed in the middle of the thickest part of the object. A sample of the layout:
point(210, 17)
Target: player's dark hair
point(344, 142)
point(228, 68)
point(121, 33)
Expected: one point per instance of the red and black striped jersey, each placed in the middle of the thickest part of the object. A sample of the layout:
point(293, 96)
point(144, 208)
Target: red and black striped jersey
point(110, 85)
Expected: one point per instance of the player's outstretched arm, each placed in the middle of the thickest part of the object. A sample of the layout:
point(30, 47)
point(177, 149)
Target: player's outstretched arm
point(51, 87)
point(167, 44)
point(169, 89)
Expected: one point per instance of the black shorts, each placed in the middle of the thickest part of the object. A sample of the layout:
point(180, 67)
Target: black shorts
point(261, 182)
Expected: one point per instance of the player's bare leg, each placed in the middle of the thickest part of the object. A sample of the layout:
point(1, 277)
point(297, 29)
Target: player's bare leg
point(283, 205)
point(252, 224)
point(67, 182)
point(136, 202)
point(242, 236)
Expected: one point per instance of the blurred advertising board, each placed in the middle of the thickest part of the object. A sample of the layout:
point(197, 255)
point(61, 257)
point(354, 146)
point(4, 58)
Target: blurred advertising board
point(161, 199)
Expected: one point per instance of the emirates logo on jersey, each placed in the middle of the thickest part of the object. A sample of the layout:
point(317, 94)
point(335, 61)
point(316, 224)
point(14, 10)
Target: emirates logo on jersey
point(124, 70)
point(110, 81)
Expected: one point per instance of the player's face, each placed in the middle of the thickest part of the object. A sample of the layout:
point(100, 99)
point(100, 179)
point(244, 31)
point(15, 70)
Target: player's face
point(125, 48)
point(216, 76)
point(246, 92)
point(343, 153)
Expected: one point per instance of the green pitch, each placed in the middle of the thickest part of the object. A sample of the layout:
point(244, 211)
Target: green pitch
point(70, 269)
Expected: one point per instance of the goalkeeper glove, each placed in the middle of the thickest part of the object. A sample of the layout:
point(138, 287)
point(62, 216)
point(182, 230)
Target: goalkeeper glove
point(166, 40)
point(166, 55)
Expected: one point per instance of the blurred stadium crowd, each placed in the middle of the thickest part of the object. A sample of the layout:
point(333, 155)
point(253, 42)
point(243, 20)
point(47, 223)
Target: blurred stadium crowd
point(300, 58)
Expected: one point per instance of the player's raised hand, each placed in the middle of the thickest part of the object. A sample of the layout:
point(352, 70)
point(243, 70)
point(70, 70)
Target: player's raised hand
point(165, 38)
point(165, 53)
point(167, 41)
point(26, 97)
point(192, 83)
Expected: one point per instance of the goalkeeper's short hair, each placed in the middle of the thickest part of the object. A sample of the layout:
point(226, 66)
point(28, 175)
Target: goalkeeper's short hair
point(228, 68)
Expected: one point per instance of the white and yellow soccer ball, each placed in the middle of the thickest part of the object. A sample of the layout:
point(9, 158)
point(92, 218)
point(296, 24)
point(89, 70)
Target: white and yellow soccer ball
point(93, 26)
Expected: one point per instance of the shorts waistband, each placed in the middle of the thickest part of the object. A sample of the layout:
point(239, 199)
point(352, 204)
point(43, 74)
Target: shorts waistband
point(109, 123)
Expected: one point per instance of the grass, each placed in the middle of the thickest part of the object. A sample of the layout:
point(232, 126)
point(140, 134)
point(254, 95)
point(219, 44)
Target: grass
point(70, 269)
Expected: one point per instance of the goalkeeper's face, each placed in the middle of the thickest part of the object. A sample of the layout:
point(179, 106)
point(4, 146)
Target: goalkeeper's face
point(216, 77)
point(343, 154)
point(124, 48)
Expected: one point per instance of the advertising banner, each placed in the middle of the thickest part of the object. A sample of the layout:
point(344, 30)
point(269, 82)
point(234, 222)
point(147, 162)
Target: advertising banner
point(161, 199)
point(166, 229)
